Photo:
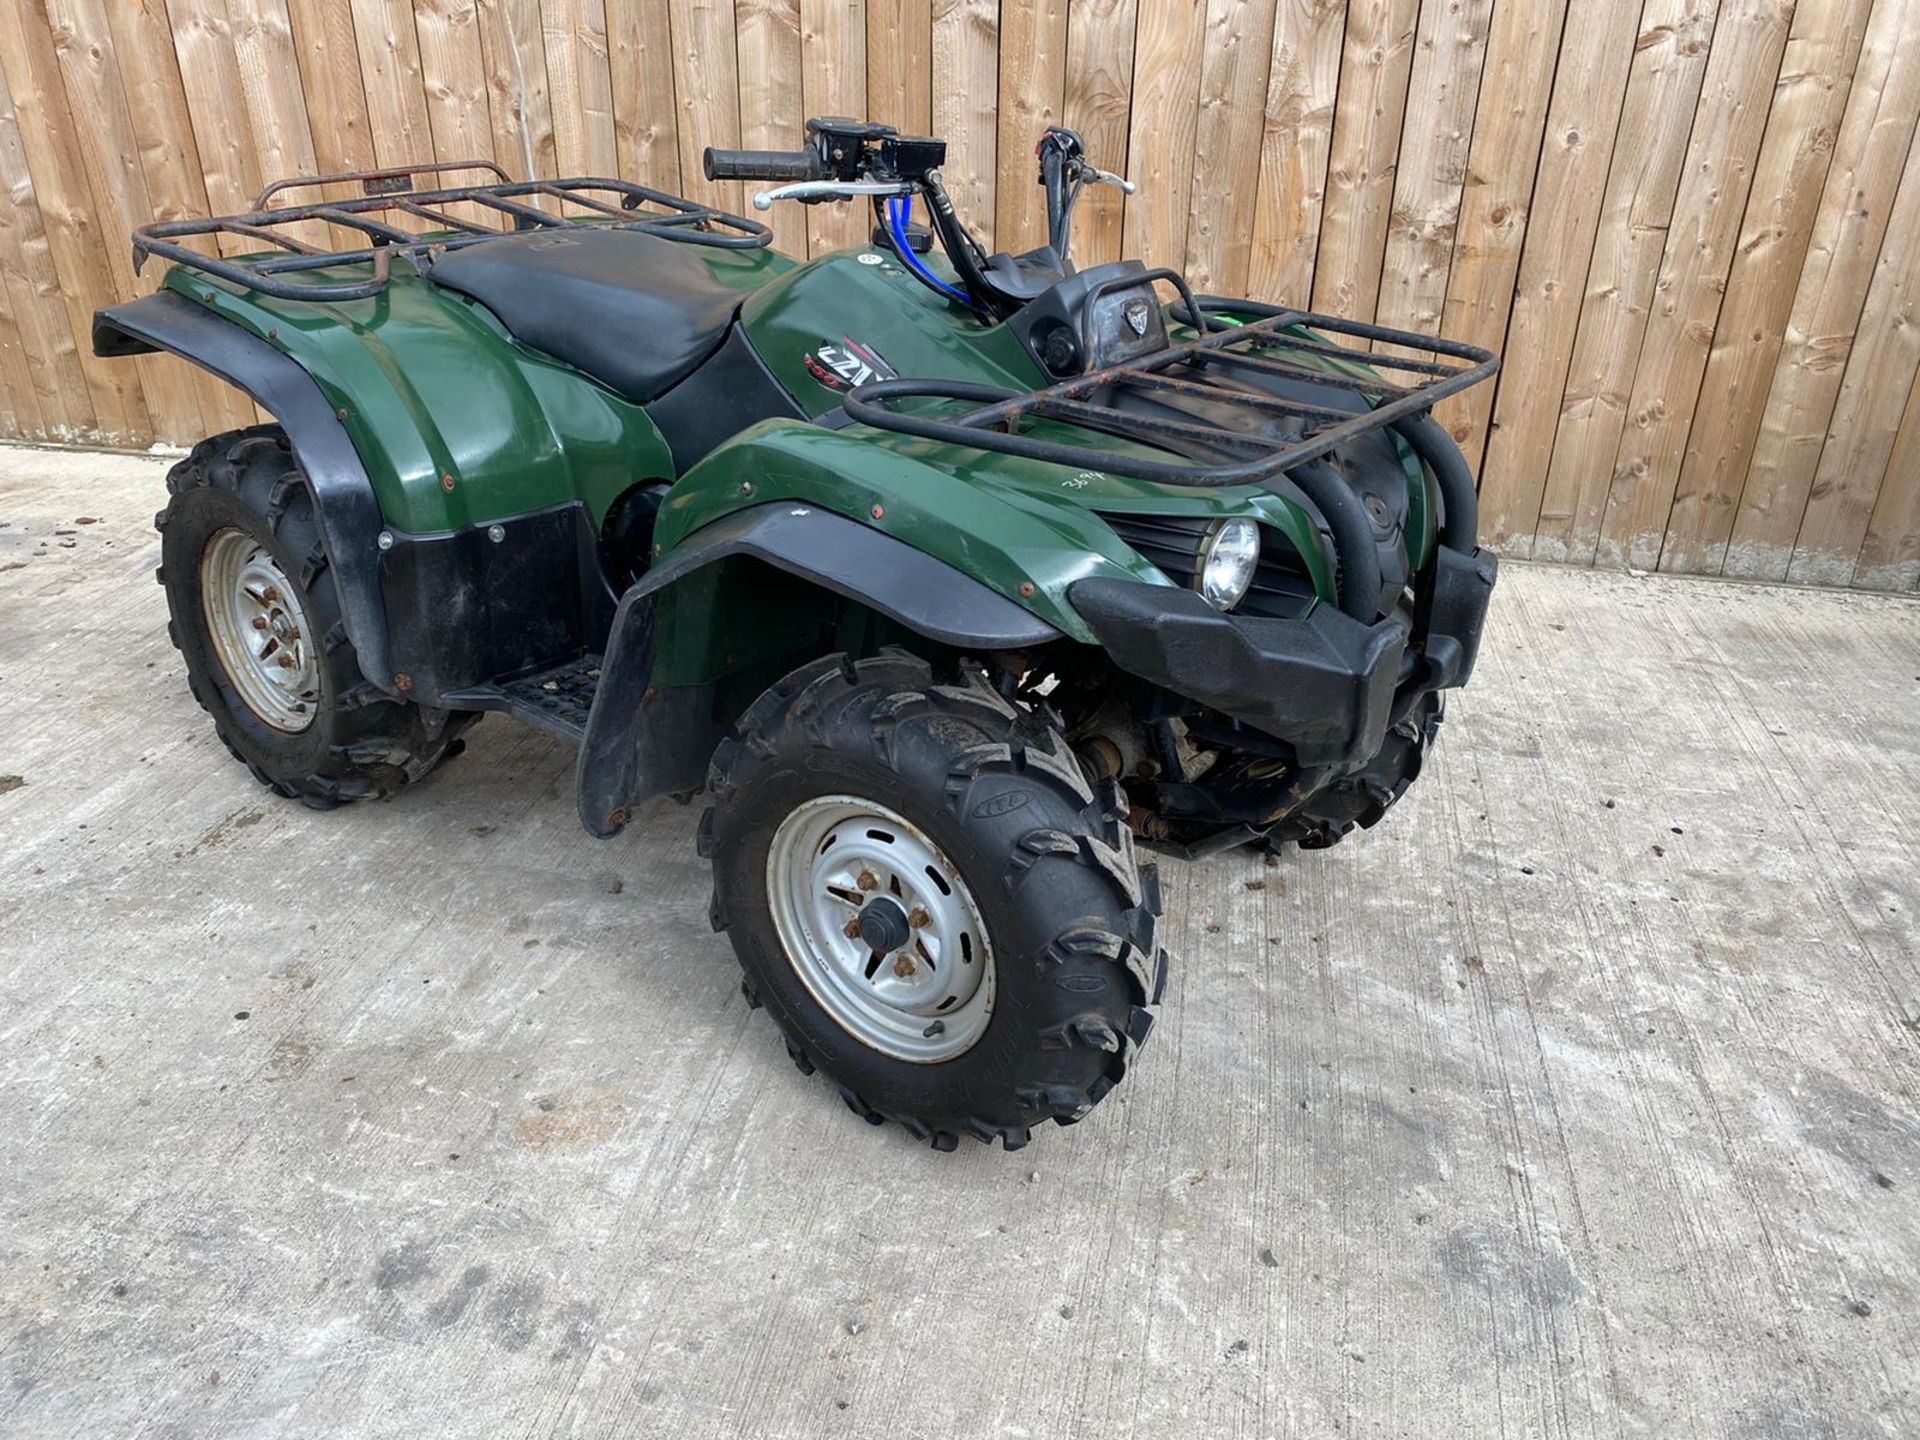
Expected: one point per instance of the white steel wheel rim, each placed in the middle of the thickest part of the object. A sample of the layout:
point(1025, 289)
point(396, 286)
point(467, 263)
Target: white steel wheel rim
point(259, 629)
point(847, 876)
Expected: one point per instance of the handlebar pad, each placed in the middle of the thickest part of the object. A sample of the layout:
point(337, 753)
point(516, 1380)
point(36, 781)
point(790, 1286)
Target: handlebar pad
point(777, 165)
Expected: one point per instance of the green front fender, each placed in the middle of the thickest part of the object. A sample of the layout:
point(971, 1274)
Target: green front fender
point(1029, 531)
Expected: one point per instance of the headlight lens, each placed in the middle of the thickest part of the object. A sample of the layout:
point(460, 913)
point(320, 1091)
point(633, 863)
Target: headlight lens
point(1228, 557)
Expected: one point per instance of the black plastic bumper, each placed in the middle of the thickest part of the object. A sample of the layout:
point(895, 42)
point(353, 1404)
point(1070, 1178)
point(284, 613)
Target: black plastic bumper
point(1328, 685)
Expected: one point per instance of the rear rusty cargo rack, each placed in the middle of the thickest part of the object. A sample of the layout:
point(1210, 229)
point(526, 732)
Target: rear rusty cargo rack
point(390, 193)
point(1161, 399)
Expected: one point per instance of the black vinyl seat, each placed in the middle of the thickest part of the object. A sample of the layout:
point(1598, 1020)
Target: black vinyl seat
point(636, 312)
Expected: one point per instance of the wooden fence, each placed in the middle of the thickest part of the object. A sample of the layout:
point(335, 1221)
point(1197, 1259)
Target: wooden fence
point(1693, 226)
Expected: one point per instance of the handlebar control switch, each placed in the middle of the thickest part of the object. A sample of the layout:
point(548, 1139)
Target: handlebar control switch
point(912, 157)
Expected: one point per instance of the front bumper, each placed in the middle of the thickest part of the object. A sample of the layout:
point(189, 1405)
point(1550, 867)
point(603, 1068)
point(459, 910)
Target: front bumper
point(1327, 685)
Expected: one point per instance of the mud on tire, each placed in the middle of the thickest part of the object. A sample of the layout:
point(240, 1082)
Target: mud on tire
point(1070, 913)
point(359, 741)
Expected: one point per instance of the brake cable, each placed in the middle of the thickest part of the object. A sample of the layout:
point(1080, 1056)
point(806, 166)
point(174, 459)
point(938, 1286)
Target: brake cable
point(898, 209)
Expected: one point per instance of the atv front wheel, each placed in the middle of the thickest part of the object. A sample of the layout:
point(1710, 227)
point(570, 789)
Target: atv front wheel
point(1363, 798)
point(931, 901)
point(255, 614)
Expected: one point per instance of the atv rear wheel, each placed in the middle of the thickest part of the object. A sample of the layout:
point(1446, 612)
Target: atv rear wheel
point(255, 614)
point(931, 901)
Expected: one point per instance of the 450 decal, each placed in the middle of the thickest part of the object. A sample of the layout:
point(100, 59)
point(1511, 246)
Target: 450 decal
point(843, 364)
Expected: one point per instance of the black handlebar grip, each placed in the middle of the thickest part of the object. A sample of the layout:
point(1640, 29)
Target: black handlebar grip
point(777, 165)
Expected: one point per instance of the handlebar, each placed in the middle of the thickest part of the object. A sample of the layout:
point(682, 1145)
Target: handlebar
point(775, 165)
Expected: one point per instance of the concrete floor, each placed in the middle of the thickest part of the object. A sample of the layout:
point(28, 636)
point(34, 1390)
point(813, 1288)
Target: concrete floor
point(1579, 1099)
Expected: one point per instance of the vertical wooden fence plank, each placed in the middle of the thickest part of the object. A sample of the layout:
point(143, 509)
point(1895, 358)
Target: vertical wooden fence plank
point(1873, 146)
point(170, 160)
point(1303, 83)
point(61, 400)
point(1430, 173)
point(966, 64)
point(1496, 204)
point(706, 85)
point(1669, 64)
point(1789, 179)
point(1099, 102)
point(76, 240)
point(900, 64)
point(833, 81)
point(390, 69)
point(1721, 158)
point(1890, 558)
point(770, 115)
point(454, 70)
point(330, 78)
point(580, 86)
point(19, 414)
point(1868, 414)
point(1235, 63)
point(19, 399)
point(1033, 95)
point(1576, 156)
point(641, 38)
point(269, 72)
point(270, 82)
point(1166, 72)
point(1375, 68)
point(203, 45)
point(110, 156)
point(514, 47)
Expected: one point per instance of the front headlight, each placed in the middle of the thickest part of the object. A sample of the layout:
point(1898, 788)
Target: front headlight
point(1229, 555)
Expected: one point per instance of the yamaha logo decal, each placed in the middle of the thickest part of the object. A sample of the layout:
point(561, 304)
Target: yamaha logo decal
point(846, 363)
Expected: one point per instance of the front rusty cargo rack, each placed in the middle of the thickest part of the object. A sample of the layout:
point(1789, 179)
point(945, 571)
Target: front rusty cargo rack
point(391, 192)
point(1220, 366)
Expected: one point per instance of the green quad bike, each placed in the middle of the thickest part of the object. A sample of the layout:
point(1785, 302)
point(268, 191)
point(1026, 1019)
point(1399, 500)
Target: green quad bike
point(945, 577)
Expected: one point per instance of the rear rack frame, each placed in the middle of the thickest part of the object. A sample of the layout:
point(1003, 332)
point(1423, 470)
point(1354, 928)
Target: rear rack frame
point(992, 422)
point(394, 190)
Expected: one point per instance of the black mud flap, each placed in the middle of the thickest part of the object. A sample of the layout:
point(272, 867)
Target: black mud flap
point(343, 496)
point(645, 740)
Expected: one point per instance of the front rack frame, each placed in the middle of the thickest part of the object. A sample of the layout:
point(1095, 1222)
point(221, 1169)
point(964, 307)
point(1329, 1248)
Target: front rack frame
point(1257, 347)
point(394, 190)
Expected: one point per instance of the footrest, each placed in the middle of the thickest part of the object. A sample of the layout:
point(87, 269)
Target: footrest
point(557, 700)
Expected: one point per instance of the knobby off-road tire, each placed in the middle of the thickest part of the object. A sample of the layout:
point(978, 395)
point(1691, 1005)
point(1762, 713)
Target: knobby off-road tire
point(992, 791)
point(339, 737)
point(1361, 800)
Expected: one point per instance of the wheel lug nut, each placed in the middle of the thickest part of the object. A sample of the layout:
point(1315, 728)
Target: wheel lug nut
point(918, 917)
point(904, 966)
point(853, 928)
point(259, 622)
point(868, 880)
point(286, 662)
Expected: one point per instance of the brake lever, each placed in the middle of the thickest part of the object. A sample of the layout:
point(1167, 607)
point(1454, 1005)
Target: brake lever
point(812, 190)
point(1107, 177)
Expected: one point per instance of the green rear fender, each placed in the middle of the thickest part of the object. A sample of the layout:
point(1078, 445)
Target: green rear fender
point(456, 423)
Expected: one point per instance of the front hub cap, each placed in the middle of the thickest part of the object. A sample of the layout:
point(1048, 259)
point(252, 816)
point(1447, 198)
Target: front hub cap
point(881, 928)
point(259, 630)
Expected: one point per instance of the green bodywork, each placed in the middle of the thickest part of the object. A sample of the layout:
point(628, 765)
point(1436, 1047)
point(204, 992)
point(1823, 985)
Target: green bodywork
point(459, 425)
